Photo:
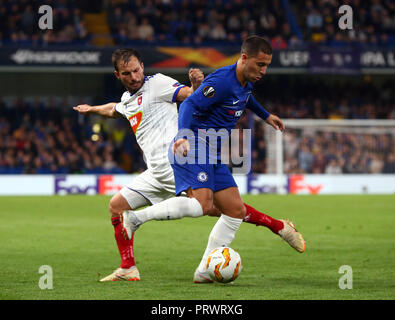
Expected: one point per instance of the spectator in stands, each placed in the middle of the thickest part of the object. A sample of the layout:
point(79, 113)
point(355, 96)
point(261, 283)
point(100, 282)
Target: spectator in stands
point(319, 163)
point(314, 21)
point(306, 158)
point(218, 32)
point(145, 31)
point(333, 167)
point(389, 166)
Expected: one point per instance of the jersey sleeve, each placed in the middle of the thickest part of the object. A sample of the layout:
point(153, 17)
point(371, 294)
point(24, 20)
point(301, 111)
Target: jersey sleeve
point(166, 88)
point(121, 106)
point(256, 107)
point(212, 91)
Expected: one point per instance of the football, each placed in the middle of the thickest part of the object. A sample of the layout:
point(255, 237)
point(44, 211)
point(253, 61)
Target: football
point(224, 264)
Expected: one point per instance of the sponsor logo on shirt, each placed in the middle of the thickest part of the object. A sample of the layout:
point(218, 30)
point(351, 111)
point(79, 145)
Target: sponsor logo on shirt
point(135, 121)
point(236, 113)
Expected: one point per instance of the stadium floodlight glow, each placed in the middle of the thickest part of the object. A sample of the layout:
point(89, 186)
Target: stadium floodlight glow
point(95, 137)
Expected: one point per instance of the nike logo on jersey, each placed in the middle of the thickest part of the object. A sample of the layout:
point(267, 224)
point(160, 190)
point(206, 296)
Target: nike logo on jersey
point(234, 102)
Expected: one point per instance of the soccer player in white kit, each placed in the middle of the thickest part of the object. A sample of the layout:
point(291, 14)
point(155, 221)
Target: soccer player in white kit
point(150, 106)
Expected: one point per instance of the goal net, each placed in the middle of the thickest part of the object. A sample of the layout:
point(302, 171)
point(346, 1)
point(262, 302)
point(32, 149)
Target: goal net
point(331, 147)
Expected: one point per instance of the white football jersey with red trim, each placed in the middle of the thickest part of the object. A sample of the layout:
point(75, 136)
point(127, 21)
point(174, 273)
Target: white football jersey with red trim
point(153, 117)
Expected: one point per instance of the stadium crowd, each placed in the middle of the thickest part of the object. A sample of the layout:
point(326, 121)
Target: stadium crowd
point(373, 22)
point(338, 152)
point(307, 97)
point(50, 137)
point(197, 22)
point(19, 24)
point(288, 24)
point(230, 21)
point(319, 151)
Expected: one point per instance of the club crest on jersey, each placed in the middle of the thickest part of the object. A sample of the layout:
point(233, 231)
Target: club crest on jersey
point(208, 92)
point(135, 120)
point(202, 176)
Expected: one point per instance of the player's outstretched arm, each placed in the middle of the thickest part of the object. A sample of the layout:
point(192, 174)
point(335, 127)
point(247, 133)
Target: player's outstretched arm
point(105, 110)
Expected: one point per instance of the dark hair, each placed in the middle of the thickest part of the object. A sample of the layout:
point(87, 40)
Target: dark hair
point(124, 55)
point(255, 44)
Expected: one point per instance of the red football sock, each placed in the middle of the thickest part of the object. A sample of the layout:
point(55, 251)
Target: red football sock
point(261, 219)
point(125, 247)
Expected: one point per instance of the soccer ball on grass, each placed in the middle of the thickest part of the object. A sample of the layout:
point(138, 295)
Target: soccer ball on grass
point(224, 264)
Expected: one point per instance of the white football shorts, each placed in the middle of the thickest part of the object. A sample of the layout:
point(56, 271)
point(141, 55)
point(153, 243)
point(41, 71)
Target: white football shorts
point(147, 189)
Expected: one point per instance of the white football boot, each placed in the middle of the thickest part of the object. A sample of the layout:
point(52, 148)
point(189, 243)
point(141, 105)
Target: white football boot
point(130, 223)
point(131, 274)
point(201, 277)
point(292, 236)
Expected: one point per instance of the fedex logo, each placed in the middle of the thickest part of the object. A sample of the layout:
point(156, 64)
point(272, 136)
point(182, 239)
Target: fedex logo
point(90, 185)
point(296, 184)
point(107, 185)
point(293, 184)
point(85, 185)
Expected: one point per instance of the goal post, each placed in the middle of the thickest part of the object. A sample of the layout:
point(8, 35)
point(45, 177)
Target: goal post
point(330, 147)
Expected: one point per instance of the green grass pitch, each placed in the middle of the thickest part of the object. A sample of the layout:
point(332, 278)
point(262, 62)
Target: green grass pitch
point(74, 236)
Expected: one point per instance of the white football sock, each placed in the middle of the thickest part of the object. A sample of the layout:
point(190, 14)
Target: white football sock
point(170, 209)
point(221, 235)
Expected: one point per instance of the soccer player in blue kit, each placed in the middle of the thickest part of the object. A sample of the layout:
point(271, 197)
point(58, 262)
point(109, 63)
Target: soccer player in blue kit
point(217, 104)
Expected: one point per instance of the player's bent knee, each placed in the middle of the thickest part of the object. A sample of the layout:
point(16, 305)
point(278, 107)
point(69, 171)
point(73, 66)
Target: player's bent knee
point(243, 211)
point(114, 212)
point(115, 206)
point(238, 212)
point(207, 207)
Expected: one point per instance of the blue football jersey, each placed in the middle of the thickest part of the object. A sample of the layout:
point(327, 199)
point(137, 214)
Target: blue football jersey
point(218, 103)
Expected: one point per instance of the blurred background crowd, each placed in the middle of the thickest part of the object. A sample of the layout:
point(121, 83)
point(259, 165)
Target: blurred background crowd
point(45, 135)
point(48, 136)
point(287, 24)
